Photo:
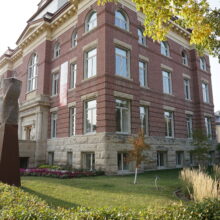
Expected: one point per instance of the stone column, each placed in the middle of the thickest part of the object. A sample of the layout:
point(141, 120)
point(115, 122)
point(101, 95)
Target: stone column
point(9, 151)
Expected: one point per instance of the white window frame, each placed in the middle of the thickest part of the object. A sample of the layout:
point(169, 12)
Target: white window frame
point(179, 155)
point(120, 57)
point(51, 158)
point(90, 111)
point(159, 154)
point(73, 75)
point(171, 117)
point(143, 70)
point(146, 122)
point(187, 90)
point(32, 73)
point(185, 60)
point(91, 22)
point(53, 125)
point(120, 23)
point(74, 39)
point(164, 49)
point(72, 122)
point(69, 158)
point(56, 50)
point(93, 59)
point(141, 37)
point(208, 127)
point(128, 108)
point(92, 161)
point(202, 63)
point(205, 92)
point(122, 156)
point(189, 126)
point(165, 80)
point(55, 84)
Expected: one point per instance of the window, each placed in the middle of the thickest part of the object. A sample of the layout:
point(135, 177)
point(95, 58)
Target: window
point(143, 73)
point(211, 158)
point(56, 50)
point(187, 89)
point(28, 132)
point(164, 49)
point(169, 124)
point(167, 87)
point(74, 39)
point(161, 159)
point(122, 62)
point(55, 84)
point(185, 58)
point(205, 92)
point(122, 116)
point(141, 38)
point(69, 161)
point(32, 73)
point(208, 127)
point(123, 164)
point(90, 116)
point(88, 161)
point(51, 158)
point(72, 122)
point(189, 126)
point(144, 119)
point(191, 158)
point(121, 20)
point(91, 21)
point(202, 63)
point(91, 63)
point(73, 73)
point(61, 3)
point(179, 158)
point(53, 125)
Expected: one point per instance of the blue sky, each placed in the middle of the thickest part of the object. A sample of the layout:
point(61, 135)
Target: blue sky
point(14, 14)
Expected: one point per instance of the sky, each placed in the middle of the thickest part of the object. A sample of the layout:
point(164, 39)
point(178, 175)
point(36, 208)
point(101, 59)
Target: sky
point(14, 14)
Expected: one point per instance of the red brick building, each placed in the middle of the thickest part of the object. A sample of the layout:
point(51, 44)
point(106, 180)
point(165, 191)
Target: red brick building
point(91, 80)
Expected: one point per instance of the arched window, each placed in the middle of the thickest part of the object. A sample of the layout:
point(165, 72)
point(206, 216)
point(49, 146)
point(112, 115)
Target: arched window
point(74, 39)
point(56, 50)
point(91, 22)
point(141, 38)
point(32, 73)
point(185, 58)
point(202, 63)
point(121, 20)
point(164, 49)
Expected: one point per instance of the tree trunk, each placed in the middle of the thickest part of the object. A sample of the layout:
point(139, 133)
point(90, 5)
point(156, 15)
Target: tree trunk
point(135, 177)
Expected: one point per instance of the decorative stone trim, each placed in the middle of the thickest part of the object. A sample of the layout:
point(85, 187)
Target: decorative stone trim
point(168, 108)
point(90, 45)
point(73, 60)
point(186, 76)
point(141, 57)
point(72, 104)
point(205, 80)
point(145, 103)
point(89, 96)
point(208, 115)
point(123, 44)
point(55, 70)
point(54, 109)
point(166, 67)
point(123, 95)
point(189, 113)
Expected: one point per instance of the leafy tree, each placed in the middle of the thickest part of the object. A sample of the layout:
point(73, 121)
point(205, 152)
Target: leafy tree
point(202, 147)
point(136, 154)
point(194, 15)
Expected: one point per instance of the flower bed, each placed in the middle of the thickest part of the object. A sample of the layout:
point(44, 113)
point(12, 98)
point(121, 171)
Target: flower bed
point(63, 174)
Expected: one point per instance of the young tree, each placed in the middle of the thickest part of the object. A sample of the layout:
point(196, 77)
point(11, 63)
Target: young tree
point(202, 148)
point(194, 15)
point(136, 154)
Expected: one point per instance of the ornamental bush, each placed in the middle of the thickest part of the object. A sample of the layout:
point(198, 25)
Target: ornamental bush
point(19, 205)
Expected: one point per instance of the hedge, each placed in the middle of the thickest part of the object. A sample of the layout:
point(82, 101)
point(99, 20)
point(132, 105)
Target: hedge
point(17, 204)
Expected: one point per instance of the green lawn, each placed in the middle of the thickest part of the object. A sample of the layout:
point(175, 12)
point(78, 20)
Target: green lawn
point(106, 191)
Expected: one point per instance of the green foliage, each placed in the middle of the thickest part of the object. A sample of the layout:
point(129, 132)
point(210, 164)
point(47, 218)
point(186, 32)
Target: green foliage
point(52, 167)
point(16, 204)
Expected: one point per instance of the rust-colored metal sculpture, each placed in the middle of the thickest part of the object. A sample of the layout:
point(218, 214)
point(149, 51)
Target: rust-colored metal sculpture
point(9, 151)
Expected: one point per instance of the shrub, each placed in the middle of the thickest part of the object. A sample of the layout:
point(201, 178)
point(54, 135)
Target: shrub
point(51, 167)
point(199, 184)
point(216, 171)
point(19, 205)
